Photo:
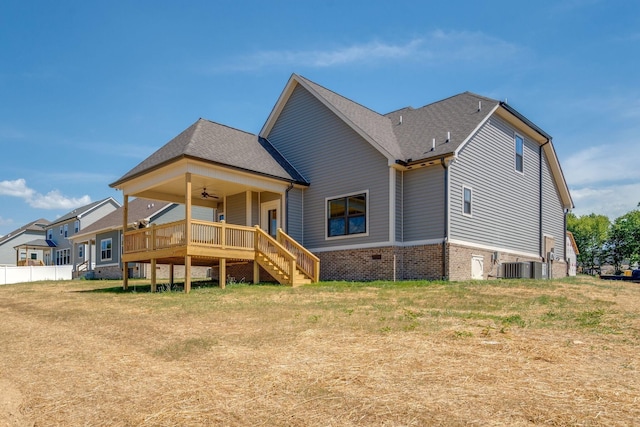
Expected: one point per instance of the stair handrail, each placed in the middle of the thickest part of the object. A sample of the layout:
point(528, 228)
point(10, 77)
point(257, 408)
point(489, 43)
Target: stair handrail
point(289, 266)
point(307, 262)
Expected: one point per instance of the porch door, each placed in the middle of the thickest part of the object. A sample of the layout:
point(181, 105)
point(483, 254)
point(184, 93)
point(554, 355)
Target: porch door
point(270, 217)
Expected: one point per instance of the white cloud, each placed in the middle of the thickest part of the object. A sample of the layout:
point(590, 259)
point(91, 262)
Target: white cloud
point(17, 188)
point(55, 200)
point(52, 200)
point(4, 222)
point(603, 164)
point(437, 47)
point(612, 201)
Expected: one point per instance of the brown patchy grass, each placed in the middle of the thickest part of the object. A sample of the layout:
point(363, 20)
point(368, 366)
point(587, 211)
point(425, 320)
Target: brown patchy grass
point(335, 354)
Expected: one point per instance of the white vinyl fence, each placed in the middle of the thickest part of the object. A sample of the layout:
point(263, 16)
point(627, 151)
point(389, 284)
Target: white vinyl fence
point(10, 275)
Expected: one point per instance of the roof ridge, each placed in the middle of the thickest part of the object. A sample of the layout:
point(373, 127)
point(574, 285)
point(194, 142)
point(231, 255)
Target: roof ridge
point(341, 96)
point(226, 126)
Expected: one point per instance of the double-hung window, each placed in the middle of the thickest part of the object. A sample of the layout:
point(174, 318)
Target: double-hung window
point(347, 215)
point(466, 201)
point(519, 151)
point(105, 249)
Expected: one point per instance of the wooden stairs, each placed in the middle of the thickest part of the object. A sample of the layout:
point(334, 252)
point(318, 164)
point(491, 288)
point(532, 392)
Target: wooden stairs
point(279, 274)
point(285, 259)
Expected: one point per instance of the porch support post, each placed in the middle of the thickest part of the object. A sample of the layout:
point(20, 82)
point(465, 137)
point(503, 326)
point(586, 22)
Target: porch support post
point(171, 274)
point(187, 232)
point(223, 273)
point(154, 288)
point(125, 216)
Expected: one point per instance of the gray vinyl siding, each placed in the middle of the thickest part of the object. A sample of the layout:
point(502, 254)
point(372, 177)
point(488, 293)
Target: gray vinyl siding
point(255, 208)
point(176, 213)
point(424, 199)
point(399, 205)
point(294, 219)
point(235, 209)
point(505, 203)
point(552, 211)
point(267, 196)
point(115, 247)
point(336, 161)
point(95, 214)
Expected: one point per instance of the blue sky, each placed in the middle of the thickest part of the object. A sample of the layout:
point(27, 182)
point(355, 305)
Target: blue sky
point(90, 89)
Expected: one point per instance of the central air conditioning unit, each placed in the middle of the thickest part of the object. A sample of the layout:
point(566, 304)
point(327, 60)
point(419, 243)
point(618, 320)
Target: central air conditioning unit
point(538, 270)
point(516, 270)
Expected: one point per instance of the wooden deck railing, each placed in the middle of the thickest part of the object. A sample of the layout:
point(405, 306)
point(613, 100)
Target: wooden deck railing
point(275, 252)
point(283, 251)
point(307, 263)
point(203, 233)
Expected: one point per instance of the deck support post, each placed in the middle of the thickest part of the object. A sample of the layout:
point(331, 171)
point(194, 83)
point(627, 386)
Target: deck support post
point(256, 272)
point(187, 274)
point(223, 273)
point(187, 232)
point(125, 216)
point(170, 274)
point(154, 288)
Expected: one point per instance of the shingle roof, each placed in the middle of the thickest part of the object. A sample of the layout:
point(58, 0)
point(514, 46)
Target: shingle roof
point(378, 127)
point(458, 115)
point(37, 225)
point(220, 144)
point(81, 211)
point(39, 243)
point(413, 139)
point(138, 209)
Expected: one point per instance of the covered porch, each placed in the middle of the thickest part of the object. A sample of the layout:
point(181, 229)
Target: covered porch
point(246, 222)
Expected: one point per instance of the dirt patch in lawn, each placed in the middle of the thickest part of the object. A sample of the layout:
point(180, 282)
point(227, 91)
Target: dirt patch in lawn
point(492, 353)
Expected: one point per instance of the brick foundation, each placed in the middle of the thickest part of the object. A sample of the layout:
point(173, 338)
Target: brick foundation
point(413, 262)
point(460, 258)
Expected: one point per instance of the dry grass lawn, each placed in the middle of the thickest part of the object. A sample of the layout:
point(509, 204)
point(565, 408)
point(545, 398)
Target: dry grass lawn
point(507, 353)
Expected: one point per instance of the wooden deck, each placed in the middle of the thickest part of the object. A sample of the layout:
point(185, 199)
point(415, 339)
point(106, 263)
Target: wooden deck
point(214, 243)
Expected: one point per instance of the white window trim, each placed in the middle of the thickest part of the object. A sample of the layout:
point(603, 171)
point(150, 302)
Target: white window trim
point(366, 216)
point(111, 257)
point(516, 135)
point(466, 187)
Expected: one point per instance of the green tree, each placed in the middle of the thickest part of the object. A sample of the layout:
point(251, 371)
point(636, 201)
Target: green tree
point(624, 239)
point(590, 233)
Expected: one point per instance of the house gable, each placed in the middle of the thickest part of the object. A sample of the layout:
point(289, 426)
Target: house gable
point(371, 126)
point(336, 160)
point(505, 204)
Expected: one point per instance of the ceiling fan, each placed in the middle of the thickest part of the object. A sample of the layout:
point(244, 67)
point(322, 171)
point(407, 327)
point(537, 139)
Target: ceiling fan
point(206, 195)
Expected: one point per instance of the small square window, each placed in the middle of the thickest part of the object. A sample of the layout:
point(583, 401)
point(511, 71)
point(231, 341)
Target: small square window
point(347, 215)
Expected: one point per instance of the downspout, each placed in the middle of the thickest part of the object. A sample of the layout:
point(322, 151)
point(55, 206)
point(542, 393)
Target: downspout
point(446, 217)
point(541, 235)
point(286, 207)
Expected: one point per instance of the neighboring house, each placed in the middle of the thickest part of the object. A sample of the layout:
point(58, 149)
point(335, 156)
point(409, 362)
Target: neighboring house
point(22, 246)
point(64, 228)
point(103, 238)
point(450, 190)
point(572, 253)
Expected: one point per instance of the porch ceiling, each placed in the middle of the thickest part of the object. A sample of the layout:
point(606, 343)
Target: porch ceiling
point(169, 183)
